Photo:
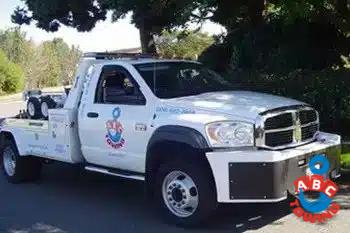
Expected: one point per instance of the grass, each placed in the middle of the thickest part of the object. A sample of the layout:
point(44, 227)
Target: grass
point(345, 160)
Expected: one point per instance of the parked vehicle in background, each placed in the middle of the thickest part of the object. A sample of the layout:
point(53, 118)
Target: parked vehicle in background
point(178, 127)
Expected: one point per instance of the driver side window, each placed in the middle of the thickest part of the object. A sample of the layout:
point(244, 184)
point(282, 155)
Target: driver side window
point(116, 86)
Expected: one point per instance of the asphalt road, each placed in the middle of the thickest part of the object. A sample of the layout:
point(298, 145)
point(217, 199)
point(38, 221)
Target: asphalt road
point(70, 200)
point(8, 109)
point(65, 200)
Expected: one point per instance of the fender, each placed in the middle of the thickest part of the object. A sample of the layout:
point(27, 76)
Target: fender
point(5, 133)
point(180, 134)
point(173, 134)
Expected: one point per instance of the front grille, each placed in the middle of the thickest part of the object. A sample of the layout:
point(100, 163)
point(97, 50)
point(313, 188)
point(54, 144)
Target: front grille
point(307, 116)
point(308, 132)
point(287, 128)
point(279, 121)
point(279, 138)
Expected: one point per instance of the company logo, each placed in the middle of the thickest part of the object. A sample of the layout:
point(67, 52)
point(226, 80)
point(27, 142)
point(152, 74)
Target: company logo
point(322, 208)
point(114, 136)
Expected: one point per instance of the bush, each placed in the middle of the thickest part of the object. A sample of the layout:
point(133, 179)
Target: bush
point(302, 60)
point(345, 161)
point(11, 76)
point(326, 90)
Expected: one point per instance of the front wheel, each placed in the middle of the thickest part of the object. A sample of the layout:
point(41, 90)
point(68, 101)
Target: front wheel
point(185, 193)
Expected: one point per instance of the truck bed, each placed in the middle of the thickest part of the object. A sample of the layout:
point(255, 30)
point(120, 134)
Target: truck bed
point(55, 138)
point(41, 126)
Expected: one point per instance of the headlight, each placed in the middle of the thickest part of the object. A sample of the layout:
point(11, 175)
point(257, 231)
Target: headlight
point(230, 134)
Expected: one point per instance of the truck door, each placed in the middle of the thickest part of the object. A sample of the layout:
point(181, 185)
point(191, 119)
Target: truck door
point(114, 121)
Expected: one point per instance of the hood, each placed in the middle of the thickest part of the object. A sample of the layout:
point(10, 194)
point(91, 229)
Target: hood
point(245, 104)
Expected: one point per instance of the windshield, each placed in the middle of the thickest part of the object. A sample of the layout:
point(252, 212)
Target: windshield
point(177, 79)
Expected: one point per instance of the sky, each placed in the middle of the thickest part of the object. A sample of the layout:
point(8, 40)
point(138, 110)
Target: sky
point(106, 36)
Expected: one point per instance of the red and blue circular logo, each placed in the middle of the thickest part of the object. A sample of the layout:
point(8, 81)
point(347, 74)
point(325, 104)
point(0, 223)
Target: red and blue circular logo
point(114, 136)
point(321, 208)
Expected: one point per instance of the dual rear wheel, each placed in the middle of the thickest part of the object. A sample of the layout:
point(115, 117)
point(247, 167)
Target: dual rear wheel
point(18, 169)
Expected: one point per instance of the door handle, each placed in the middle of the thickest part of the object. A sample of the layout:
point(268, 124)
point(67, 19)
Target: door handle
point(92, 115)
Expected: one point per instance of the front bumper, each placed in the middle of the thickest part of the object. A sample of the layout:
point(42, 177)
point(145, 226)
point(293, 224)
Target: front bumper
point(252, 176)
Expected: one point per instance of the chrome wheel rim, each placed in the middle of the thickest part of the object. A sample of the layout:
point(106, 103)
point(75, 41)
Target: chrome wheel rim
point(31, 109)
point(44, 109)
point(180, 194)
point(9, 161)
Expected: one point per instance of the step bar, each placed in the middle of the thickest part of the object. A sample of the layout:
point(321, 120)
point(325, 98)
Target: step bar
point(116, 172)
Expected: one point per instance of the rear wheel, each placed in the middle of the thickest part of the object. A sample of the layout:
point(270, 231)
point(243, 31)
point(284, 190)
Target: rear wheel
point(18, 169)
point(185, 192)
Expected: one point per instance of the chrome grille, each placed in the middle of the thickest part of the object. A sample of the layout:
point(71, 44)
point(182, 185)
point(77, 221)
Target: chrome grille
point(287, 128)
point(279, 121)
point(307, 116)
point(308, 131)
point(279, 138)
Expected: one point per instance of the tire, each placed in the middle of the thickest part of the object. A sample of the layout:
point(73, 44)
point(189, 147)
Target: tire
point(204, 191)
point(34, 108)
point(18, 169)
point(46, 103)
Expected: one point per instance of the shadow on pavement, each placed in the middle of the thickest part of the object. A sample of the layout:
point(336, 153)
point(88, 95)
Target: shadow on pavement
point(66, 200)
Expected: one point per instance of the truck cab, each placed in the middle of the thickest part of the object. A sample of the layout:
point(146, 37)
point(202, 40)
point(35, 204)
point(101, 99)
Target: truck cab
point(179, 127)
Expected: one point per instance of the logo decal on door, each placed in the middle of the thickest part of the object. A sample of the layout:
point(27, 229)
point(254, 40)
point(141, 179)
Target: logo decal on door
point(114, 136)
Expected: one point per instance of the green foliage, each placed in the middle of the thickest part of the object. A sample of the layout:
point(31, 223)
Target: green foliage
point(15, 45)
point(327, 90)
point(183, 44)
point(294, 48)
point(345, 160)
point(11, 75)
point(51, 63)
point(292, 63)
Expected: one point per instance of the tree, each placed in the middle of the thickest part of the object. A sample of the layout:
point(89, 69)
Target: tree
point(282, 35)
point(54, 63)
point(231, 13)
point(11, 75)
point(183, 44)
point(294, 48)
point(149, 16)
point(18, 49)
point(69, 65)
point(13, 42)
point(50, 63)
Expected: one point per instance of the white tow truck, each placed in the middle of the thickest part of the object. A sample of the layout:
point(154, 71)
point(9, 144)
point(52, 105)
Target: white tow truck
point(177, 126)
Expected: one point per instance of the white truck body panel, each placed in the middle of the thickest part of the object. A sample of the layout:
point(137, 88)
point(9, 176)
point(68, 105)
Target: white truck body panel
point(53, 139)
